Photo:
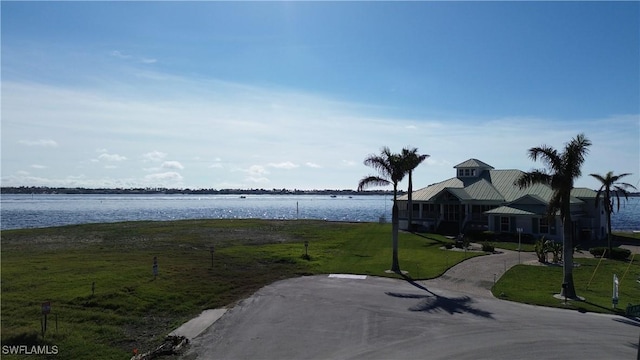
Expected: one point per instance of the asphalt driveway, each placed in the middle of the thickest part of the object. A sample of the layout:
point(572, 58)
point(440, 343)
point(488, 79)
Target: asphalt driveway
point(322, 317)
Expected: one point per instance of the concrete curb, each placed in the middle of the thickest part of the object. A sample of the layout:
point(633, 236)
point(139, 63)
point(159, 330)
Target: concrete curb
point(199, 324)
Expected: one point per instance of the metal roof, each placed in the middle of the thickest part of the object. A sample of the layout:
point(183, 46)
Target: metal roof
point(473, 163)
point(429, 192)
point(493, 186)
point(583, 193)
point(508, 210)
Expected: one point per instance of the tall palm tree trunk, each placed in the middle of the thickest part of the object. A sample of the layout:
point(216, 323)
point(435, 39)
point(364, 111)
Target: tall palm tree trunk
point(395, 266)
point(410, 201)
point(609, 211)
point(568, 287)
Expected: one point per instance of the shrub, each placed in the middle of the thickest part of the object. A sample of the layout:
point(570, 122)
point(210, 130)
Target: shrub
point(462, 242)
point(480, 236)
point(542, 248)
point(556, 249)
point(527, 238)
point(488, 235)
point(616, 253)
point(488, 247)
point(448, 246)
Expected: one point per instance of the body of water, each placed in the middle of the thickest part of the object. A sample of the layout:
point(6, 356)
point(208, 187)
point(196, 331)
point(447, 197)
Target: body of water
point(19, 211)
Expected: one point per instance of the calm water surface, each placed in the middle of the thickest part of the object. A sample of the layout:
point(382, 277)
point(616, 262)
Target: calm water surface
point(30, 211)
point(19, 211)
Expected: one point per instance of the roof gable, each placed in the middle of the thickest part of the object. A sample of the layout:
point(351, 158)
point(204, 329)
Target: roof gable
point(494, 186)
point(429, 193)
point(530, 199)
point(473, 163)
point(583, 193)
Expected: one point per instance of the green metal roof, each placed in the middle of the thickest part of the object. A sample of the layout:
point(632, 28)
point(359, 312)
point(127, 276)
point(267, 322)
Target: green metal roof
point(460, 193)
point(508, 210)
point(473, 163)
point(493, 186)
point(428, 193)
point(583, 193)
point(483, 190)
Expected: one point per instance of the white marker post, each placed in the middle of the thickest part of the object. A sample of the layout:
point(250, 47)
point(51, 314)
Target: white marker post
point(519, 243)
point(614, 298)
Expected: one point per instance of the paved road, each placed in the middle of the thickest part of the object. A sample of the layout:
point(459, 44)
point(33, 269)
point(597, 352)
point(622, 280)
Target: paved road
point(477, 275)
point(319, 317)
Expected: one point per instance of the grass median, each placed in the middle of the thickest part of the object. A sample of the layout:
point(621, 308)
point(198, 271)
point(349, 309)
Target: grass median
point(593, 279)
point(105, 301)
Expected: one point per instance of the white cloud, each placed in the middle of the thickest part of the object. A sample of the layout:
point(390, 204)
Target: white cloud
point(172, 165)
point(155, 156)
point(119, 55)
point(36, 166)
point(217, 120)
point(112, 157)
point(283, 165)
point(256, 170)
point(40, 142)
point(170, 177)
point(256, 174)
point(257, 179)
point(143, 60)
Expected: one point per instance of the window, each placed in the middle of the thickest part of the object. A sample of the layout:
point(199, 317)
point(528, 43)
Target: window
point(467, 172)
point(504, 224)
point(473, 172)
point(451, 212)
point(460, 172)
point(544, 226)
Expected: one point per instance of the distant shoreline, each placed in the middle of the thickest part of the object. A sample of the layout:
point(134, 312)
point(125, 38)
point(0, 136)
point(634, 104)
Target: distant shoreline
point(166, 191)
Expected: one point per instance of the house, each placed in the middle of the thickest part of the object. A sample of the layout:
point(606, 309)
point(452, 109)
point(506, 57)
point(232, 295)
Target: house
point(481, 198)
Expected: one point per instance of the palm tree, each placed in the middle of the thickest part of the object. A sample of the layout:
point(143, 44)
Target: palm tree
point(563, 169)
point(391, 168)
point(413, 159)
point(610, 191)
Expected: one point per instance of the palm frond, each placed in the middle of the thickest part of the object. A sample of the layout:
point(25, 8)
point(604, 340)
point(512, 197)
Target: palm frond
point(379, 163)
point(528, 179)
point(412, 158)
point(555, 205)
point(548, 155)
point(574, 155)
point(371, 180)
point(611, 189)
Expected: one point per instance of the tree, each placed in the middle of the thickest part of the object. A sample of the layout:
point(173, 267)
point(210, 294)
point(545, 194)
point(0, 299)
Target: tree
point(610, 191)
point(391, 169)
point(413, 159)
point(562, 170)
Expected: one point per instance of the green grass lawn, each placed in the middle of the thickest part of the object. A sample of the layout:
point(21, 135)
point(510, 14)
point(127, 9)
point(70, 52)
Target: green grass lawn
point(628, 235)
point(537, 285)
point(514, 246)
point(131, 309)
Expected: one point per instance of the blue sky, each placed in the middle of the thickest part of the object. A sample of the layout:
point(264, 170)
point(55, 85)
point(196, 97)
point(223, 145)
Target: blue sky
point(296, 94)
